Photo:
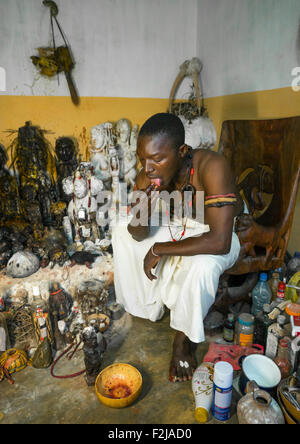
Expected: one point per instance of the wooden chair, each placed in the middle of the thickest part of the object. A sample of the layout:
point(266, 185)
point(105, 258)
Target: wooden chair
point(265, 159)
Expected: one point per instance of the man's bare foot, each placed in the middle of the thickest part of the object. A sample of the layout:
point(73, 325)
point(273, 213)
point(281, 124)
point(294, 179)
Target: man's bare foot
point(183, 362)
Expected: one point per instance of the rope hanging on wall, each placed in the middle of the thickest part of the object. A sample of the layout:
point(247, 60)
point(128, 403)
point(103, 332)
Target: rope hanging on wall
point(53, 60)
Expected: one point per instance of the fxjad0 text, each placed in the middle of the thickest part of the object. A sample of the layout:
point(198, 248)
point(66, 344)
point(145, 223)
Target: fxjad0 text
point(163, 434)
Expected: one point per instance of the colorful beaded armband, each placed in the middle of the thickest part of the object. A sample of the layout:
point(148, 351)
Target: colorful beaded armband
point(220, 200)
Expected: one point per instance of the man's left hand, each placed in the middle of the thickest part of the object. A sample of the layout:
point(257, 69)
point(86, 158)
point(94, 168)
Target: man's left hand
point(150, 261)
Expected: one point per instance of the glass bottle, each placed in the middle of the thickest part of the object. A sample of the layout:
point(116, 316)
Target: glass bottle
point(244, 329)
point(261, 294)
point(282, 271)
point(282, 358)
point(228, 330)
point(261, 325)
point(275, 333)
point(281, 291)
point(273, 284)
point(37, 300)
point(258, 407)
point(42, 323)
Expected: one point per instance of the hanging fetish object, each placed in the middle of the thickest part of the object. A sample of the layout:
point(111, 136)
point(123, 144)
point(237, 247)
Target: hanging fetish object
point(199, 128)
point(53, 60)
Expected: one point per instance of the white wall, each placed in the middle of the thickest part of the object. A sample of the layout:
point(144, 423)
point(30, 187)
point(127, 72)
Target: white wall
point(247, 45)
point(133, 48)
point(122, 48)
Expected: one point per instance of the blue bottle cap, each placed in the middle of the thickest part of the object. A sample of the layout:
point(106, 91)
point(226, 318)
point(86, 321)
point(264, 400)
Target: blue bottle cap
point(246, 319)
point(263, 277)
point(297, 254)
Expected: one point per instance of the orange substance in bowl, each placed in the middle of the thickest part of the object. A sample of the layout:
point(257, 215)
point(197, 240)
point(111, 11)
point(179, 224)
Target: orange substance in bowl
point(119, 391)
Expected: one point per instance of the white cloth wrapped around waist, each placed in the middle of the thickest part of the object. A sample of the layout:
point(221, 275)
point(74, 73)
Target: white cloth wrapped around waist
point(187, 285)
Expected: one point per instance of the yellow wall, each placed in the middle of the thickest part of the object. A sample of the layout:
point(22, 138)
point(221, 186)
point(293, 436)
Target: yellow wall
point(62, 118)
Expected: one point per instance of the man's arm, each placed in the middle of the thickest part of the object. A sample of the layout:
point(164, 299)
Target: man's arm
point(217, 180)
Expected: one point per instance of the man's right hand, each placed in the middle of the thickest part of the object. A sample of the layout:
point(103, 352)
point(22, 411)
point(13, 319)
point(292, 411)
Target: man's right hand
point(142, 208)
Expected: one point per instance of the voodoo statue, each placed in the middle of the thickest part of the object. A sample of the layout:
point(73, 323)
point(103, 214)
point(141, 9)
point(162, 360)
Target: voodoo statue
point(83, 186)
point(59, 301)
point(8, 190)
point(9, 198)
point(66, 163)
point(32, 158)
point(126, 146)
point(30, 208)
point(102, 139)
point(93, 349)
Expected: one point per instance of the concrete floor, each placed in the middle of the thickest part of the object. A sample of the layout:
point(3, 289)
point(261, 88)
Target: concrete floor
point(38, 398)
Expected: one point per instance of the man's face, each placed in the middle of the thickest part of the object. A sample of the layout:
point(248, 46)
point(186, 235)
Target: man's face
point(159, 158)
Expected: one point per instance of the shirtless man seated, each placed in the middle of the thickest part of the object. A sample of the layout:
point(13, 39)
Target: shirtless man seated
point(188, 290)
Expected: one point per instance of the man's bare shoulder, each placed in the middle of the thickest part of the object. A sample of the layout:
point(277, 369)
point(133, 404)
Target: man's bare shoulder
point(207, 160)
point(212, 167)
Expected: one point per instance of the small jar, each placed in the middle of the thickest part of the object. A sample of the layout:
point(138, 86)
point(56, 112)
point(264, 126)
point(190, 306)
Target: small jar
point(244, 329)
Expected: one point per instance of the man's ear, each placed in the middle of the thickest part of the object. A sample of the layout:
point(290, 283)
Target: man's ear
point(182, 150)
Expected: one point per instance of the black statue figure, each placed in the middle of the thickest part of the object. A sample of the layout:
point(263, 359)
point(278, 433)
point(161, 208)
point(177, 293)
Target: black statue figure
point(66, 163)
point(93, 350)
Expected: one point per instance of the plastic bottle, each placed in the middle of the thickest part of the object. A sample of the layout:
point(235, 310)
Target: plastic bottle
point(261, 294)
point(228, 330)
point(282, 358)
point(293, 265)
point(261, 325)
point(222, 390)
point(202, 385)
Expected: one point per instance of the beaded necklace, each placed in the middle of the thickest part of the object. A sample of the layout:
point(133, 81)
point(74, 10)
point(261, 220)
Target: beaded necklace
point(188, 187)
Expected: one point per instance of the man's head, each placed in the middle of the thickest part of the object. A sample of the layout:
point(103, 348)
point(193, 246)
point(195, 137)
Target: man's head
point(161, 147)
point(164, 124)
